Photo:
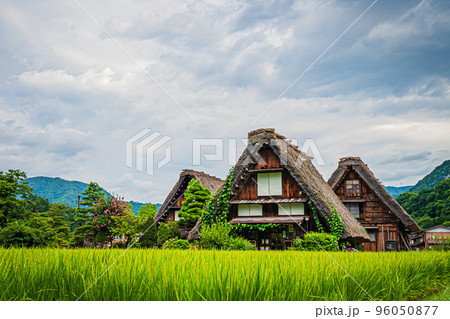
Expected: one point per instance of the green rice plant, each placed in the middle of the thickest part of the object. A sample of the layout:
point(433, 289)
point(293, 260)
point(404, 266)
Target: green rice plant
point(152, 274)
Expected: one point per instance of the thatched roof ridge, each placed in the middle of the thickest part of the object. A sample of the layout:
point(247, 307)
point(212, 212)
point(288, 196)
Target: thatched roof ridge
point(355, 163)
point(302, 170)
point(210, 182)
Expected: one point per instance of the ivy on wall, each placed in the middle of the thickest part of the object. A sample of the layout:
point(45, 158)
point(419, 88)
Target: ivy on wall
point(218, 204)
point(260, 227)
point(335, 223)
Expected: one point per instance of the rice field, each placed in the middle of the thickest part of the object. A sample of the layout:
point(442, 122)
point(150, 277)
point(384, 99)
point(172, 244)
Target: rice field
point(65, 274)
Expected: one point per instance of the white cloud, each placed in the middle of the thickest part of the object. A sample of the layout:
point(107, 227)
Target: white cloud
point(71, 97)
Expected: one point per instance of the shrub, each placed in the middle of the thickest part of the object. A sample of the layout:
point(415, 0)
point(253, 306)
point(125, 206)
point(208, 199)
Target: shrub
point(216, 236)
point(239, 243)
point(191, 209)
point(315, 241)
point(149, 238)
point(174, 243)
point(168, 231)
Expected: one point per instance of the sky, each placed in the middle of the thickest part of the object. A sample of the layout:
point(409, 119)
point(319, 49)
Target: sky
point(79, 78)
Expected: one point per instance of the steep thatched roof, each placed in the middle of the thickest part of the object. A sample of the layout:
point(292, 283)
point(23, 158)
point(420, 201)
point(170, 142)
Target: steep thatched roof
point(210, 182)
point(355, 163)
point(302, 170)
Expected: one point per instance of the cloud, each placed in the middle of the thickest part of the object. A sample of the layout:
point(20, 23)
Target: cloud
point(418, 22)
point(70, 97)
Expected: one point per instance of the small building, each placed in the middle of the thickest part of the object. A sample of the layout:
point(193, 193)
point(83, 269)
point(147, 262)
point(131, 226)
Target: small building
point(430, 237)
point(274, 192)
point(168, 212)
point(387, 223)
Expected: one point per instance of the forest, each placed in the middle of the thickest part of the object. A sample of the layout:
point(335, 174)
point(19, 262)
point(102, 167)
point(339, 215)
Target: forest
point(430, 206)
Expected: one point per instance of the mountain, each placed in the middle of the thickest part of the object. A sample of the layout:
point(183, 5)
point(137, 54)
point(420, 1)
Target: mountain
point(58, 190)
point(395, 191)
point(429, 207)
point(439, 174)
point(428, 202)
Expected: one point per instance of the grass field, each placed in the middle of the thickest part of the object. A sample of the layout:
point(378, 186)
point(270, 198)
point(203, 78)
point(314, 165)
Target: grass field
point(64, 274)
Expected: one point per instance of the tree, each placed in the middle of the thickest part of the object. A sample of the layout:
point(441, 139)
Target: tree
point(85, 232)
point(112, 217)
point(168, 231)
point(126, 224)
point(196, 198)
point(18, 233)
point(430, 207)
point(147, 226)
point(38, 204)
point(57, 214)
point(15, 195)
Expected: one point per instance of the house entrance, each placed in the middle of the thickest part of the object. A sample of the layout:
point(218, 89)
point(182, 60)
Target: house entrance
point(273, 238)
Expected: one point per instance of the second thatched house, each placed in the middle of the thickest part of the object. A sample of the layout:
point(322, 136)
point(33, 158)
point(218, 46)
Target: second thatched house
point(275, 193)
point(387, 223)
point(168, 212)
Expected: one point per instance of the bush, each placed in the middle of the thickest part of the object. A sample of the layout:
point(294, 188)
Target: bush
point(191, 209)
point(149, 238)
point(168, 231)
point(315, 241)
point(174, 243)
point(216, 236)
point(239, 243)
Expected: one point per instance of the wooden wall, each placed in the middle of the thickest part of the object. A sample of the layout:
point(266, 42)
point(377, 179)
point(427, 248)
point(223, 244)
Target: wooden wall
point(290, 187)
point(268, 160)
point(373, 213)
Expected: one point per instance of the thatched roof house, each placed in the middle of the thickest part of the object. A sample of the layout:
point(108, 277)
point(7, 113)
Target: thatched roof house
point(269, 152)
point(372, 205)
point(355, 163)
point(172, 203)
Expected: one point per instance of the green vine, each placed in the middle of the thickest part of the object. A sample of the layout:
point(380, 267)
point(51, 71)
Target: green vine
point(335, 223)
point(316, 218)
point(261, 227)
point(217, 208)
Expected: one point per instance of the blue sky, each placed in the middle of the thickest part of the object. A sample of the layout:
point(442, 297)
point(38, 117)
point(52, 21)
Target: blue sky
point(70, 97)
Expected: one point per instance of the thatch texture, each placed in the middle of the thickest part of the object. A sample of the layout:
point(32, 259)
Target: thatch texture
point(302, 170)
point(210, 182)
point(355, 163)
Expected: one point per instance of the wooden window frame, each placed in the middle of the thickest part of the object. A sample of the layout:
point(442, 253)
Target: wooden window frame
point(348, 205)
point(241, 207)
point(285, 209)
point(353, 190)
point(265, 188)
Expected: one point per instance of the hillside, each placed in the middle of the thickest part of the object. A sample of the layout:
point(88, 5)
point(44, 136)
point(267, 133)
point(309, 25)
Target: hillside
point(58, 190)
point(395, 191)
point(430, 207)
point(440, 173)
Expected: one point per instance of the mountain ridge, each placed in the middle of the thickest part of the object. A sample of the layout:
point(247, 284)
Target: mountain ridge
point(61, 191)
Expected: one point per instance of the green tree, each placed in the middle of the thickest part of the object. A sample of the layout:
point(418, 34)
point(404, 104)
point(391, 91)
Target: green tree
point(15, 196)
point(58, 220)
point(85, 232)
point(18, 233)
point(430, 207)
point(126, 224)
point(147, 226)
point(38, 204)
point(168, 231)
point(196, 198)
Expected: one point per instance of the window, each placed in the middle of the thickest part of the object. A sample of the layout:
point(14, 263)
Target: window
point(250, 210)
point(372, 235)
point(176, 216)
point(353, 208)
point(269, 184)
point(352, 186)
point(291, 209)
